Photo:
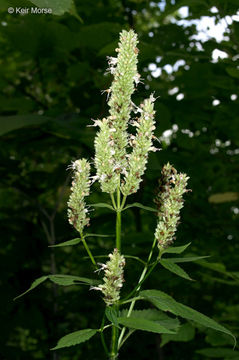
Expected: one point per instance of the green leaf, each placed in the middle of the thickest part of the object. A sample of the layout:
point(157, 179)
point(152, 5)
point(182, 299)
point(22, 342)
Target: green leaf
point(233, 72)
point(219, 353)
point(111, 315)
point(145, 325)
point(187, 259)
point(59, 7)
point(174, 268)
point(166, 303)
point(67, 243)
point(67, 280)
point(153, 315)
point(176, 249)
point(218, 267)
point(33, 285)
point(186, 333)
point(75, 338)
point(64, 280)
point(218, 339)
point(103, 205)
point(140, 206)
point(10, 123)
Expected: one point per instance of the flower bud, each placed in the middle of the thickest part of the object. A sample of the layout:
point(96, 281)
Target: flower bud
point(169, 201)
point(77, 211)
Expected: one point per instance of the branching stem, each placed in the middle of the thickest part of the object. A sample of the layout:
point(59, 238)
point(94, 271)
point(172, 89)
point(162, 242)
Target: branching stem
point(88, 250)
point(141, 279)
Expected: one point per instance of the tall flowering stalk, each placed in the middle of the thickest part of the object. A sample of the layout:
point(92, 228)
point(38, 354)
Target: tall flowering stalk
point(124, 70)
point(118, 154)
point(120, 162)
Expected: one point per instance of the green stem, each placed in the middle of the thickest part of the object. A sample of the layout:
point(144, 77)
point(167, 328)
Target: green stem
point(118, 230)
point(123, 201)
point(88, 250)
point(113, 201)
point(114, 345)
point(141, 279)
point(102, 336)
point(118, 221)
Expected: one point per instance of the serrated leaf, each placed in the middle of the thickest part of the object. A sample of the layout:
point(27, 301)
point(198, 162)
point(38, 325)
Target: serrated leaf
point(111, 315)
point(33, 286)
point(174, 268)
point(154, 315)
point(219, 353)
point(185, 333)
point(176, 249)
point(103, 205)
point(68, 243)
point(166, 303)
point(75, 338)
point(144, 324)
point(141, 206)
point(66, 280)
point(59, 279)
point(188, 259)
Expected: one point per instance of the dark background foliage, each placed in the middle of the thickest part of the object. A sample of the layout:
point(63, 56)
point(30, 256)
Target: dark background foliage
point(52, 70)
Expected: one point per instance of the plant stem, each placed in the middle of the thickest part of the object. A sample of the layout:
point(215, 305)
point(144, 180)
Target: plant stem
point(123, 201)
point(142, 276)
point(118, 221)
point(88, 250)
point(113, 201)
point(102, 336)
point(118, 208)
point(114, 340)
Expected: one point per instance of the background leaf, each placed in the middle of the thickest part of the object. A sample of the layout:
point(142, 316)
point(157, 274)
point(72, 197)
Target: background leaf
point(185, 333)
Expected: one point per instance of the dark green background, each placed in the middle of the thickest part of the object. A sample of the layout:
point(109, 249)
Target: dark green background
point(51, 73)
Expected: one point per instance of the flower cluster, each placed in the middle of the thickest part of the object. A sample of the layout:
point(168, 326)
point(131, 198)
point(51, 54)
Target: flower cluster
point(77, 212)
point(112, 141)
point(142, 144)
point(169, 201)
point(124, 70)
point(113, 279)
point(104, 162)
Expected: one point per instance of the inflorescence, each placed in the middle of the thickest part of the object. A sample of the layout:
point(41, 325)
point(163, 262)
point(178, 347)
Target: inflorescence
point(77, 211)
point(120, 157)
point(172, 186)
point(113, 279)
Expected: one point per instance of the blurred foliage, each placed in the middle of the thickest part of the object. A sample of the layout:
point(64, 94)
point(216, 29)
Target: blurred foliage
point(52, 70)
